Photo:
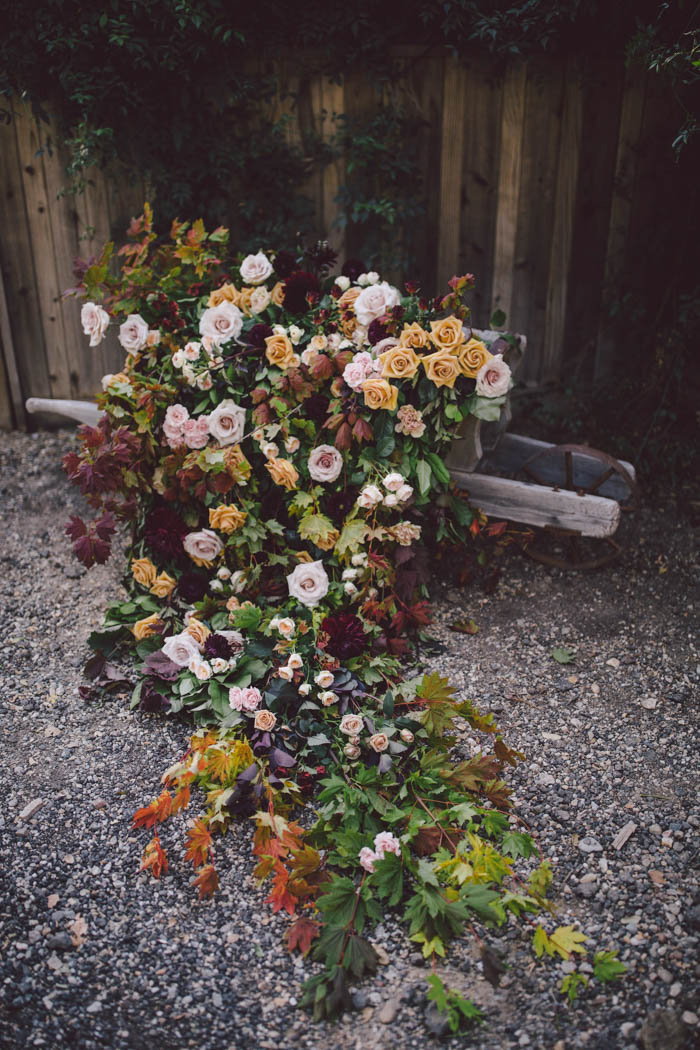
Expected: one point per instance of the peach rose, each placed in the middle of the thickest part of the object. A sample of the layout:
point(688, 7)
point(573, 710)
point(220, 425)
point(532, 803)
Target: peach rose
point(279, 351)
point(410, 421)
point(265, 720)
point(144, 571)
point(163, 585)
point(414, 335)
point(442, 367)
point(283, 473)
point(197, 630)
point(237, 465)
point(380, 394)
point(400, 362)
point(146, 627)
point(226, 518)
point(351, 725)
point(228, 293)
point(447, 334)
point(277, 294)
point(245, 301)
point(472, 357)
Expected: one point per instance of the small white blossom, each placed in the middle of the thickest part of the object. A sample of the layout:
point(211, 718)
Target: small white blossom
point(325, 679)
point(343, 282)
point(350, 588)
point(295, 661)
point(304, 689)
point(372, 277)
point(295, 333)
point(350, 574)
point(224, 573)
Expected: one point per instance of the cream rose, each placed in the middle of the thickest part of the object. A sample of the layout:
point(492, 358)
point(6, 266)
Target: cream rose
point(221, 323)
point(308, 583)
point(493, 379)
point(325, 463)
point(227, 422)
point(325, 679)
point(375, 301)
point(94, 320)
point(259, 300)
point(351, 725)
point(133, 333)
point(379, 742)
point(255, 268)
point(265, 720)
point(351, 751)
point(370, 496)
point(180, 648)
point(203, 547)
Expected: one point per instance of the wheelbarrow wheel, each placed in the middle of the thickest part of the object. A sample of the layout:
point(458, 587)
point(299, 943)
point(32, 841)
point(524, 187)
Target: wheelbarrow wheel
point(586, 471)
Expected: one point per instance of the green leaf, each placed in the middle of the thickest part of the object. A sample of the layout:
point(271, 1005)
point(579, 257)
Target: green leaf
point(488, 408)
point(570, 985)
point(359, 956)
point(498, 319)
point(564, 656)
point(567, 940)
point(540, 943)
point(607, 966)
point(352, 537)
point(478, 898)
point(315, 527)
point(337, 904)
point(438, 468)
point(516, 844)
point(423, 473)
point(318, 740)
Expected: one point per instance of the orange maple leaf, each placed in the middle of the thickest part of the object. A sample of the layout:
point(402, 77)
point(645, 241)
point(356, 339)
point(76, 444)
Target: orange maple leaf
point(280, 896)
point(154, 858)
point(182, 799)
point(301, 933)
point(158, 811)
point(207, 881)
point(220, 763)
point(199, 843)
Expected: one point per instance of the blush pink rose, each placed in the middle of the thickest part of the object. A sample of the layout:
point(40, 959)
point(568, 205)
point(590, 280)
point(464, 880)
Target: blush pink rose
point(248, 699)
point(133, 333)
point(94, 320)
point(221, 323)
point(375, 301)
point(325, 463)
point(196, 432)
point(493, 378)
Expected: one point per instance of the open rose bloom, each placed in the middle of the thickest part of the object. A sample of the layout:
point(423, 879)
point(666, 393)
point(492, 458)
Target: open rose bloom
point(273, 454)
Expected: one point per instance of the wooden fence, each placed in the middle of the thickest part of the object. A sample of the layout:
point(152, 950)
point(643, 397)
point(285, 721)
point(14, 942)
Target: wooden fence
point(544, 179)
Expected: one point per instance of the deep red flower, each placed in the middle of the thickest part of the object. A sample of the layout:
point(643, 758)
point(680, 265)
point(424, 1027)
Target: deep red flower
point(346, 636)
point(297, 287)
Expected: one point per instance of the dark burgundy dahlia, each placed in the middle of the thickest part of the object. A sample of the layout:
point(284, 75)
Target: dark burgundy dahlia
point(218, 647)
point(346, 636)
point(284, 264)
point(296, 288)
point(164, 532)
point(192, 586)
point(258, 334)
point(353, 268)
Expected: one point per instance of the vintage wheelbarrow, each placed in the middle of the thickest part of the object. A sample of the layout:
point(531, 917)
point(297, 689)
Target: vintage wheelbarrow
point(575, 496)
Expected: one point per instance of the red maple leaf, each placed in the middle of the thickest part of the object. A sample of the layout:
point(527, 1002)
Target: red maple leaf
point(300, 934)
point(154, 858)
point(158, 811)
point(207, 881)
point(199, 843)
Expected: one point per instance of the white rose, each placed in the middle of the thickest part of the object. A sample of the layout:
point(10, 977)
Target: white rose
point(493, 378)
point(189, 374)
point(204, 381)
point(269, 449)
point(279, 329)
point(343, 282)
point(394, 481)
point(372, 277)
point(407, 736)
point(362, 280)
point(328, 698)
point(255, 268)
point(370, 496)
point(180, 648)
point(391, 499)
point(351, 751)
point(308, 583)
point(192, 351)
point(325, 463)
point(224, 573)
point(291, 444)
point(227, 423)
point(221, 323)
point(375, 301)
point(334, 341)
point(359, 559)
point(325, 679)
point(308, 355)
point(286, 672)
point(216, 585)
point(286, 626)
point(379, 742)
point(94, 321)
point(259, 300)
point(304, 689)
point(106, 380)
point(218, 665)
point(404, 493)
point(203, 545)
point(295, 333)
point(201, 669)
point(318, 342)
point(237, 581)
point(133, 333)
point(295, 661)
point(178, 359)
point(350, 588)
point(359, 336)
point(349, 574)
point(351, 725)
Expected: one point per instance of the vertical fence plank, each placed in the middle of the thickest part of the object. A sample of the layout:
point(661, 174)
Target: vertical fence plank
point(508, 186)
point(11, 402)
point(562, 234)
point(482, 123)
point(29, 141)
point(19, 277)
point(631, 118)
point(451, 170)
point(541, 135)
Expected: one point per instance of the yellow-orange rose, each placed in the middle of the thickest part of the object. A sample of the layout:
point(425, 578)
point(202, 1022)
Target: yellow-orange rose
point(346, 304)
point(472, 356)
point(379, 393)
point(279, 351)
point(413, 335)
point(327, 542)
point(237, 465)
point(228, 293)
point(442, 367)
point(198, 630)
point(447, 334)
point(283, 473)
point(226, 518)
point(163, 585)
point(144, 628)
point(244, 298)
point(348, 298)
point(399, 362)
point(277, 294)
point(144, 571)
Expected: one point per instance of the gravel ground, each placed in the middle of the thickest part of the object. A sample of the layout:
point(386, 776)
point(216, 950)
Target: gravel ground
point(609, 738)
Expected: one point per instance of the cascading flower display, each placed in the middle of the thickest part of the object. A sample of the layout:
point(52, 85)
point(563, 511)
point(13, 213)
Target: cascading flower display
point(279, 453)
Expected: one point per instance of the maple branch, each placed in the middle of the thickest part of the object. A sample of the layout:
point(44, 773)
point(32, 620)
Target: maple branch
point(432, 816)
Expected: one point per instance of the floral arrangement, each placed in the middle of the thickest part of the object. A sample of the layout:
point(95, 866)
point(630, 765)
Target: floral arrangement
point(275, 439)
